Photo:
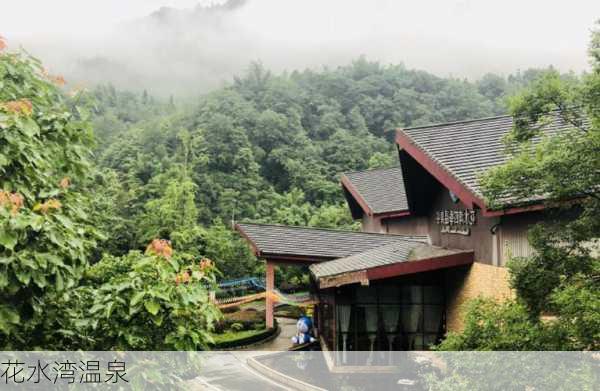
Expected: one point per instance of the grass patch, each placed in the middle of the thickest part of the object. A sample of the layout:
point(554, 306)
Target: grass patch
point(233, 336)
point(289, 311)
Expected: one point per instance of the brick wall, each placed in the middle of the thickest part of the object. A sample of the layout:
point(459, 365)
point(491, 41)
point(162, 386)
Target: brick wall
point(470, 282)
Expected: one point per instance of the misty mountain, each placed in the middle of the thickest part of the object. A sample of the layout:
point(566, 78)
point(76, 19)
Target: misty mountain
point(189, 51)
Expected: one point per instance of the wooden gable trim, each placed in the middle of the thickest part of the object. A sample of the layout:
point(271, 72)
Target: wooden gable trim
point(253, 246)
point(347, 184)
point(454, 185)
point(421, 265)
point(510, 211)
point(391, 215)
point(437, 171)
point(356, 195)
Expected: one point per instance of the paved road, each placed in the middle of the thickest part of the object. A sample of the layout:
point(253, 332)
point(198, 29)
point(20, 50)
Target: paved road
point(225, 371)
point(228, 371)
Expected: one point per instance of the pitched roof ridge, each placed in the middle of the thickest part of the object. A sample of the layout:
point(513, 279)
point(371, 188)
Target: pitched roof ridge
point(371, 170)
point(434, 125)
point(405, 237)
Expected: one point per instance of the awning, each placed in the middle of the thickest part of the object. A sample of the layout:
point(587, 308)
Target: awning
point(388, 261)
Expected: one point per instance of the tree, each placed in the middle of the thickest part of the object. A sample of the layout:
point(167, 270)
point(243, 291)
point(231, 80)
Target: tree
point(562, 278)
point(230, 252)
point(173, 216)
point(45, 233)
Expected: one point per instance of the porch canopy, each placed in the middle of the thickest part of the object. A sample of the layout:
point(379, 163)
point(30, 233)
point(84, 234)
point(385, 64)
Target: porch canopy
point(388, 261)
point(301, 245)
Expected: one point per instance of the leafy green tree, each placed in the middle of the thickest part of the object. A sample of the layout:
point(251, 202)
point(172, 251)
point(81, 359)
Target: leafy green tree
point(231, 254)
point(175, 210)
point(561, 278)
point(333, 216)
point(493, 326)
point(381, 160)
point(45, 233)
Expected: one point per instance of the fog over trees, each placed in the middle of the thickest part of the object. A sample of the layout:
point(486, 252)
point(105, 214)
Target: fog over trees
point(184, 47)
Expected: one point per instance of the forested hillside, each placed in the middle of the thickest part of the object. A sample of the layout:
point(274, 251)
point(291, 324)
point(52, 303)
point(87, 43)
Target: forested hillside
point(264, 148)
point(116, 207)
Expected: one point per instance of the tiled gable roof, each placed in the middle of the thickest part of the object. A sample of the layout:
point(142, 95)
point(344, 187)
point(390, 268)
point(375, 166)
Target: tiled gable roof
point(317, 243)
point(381, 189)
point(468, 148)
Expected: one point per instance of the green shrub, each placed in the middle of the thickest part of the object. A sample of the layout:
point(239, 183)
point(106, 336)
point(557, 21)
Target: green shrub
point(160, 303)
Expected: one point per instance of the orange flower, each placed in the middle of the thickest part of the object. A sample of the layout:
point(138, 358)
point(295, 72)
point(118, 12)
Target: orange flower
point(205, 263)
point(12, 200)
point(17, 202)
point(65, 182)
point(160, 247)
point(185, 277)
point(182, 278)
point(2, 43)
point(21, 106)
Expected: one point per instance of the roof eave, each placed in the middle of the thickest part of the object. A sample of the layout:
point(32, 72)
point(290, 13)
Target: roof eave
point(392, 214)
point(513, 210)
point(253, 246)
point(364, 276)
point(294, 258)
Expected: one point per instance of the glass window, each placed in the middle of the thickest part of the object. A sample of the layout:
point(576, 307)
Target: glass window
point(433, 294)
point(384, 317)
point(412, 294)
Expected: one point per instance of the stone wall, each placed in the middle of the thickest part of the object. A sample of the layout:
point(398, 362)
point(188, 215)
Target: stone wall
point(469, 282)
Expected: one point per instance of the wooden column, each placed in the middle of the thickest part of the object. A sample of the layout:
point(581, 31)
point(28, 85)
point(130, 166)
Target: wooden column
point(270, 285)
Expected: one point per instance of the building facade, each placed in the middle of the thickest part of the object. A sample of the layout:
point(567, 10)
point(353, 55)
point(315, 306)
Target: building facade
point(429, 241)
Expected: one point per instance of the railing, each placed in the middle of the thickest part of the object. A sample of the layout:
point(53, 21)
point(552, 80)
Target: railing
point(259, 284)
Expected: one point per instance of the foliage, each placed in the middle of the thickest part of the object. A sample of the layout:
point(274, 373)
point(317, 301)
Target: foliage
point(267, 148)
point(232, 255)
point(562, 278)
point(501, 326)
point(46, 235)
point(162, 299)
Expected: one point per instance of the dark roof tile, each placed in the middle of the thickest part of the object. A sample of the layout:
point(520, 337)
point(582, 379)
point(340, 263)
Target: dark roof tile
point(405, 251)
point(280, 240)
point(466, 149)
point(382, 189)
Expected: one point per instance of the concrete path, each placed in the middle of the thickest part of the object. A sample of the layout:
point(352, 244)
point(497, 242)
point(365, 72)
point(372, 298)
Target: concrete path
point(283, 340)
point(228, 371)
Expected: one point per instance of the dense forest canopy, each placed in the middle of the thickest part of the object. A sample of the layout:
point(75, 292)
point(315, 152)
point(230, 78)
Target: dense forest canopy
point(267, 147)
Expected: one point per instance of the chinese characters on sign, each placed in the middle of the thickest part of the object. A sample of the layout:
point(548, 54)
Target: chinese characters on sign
point(456, 221)
point(67, 372)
